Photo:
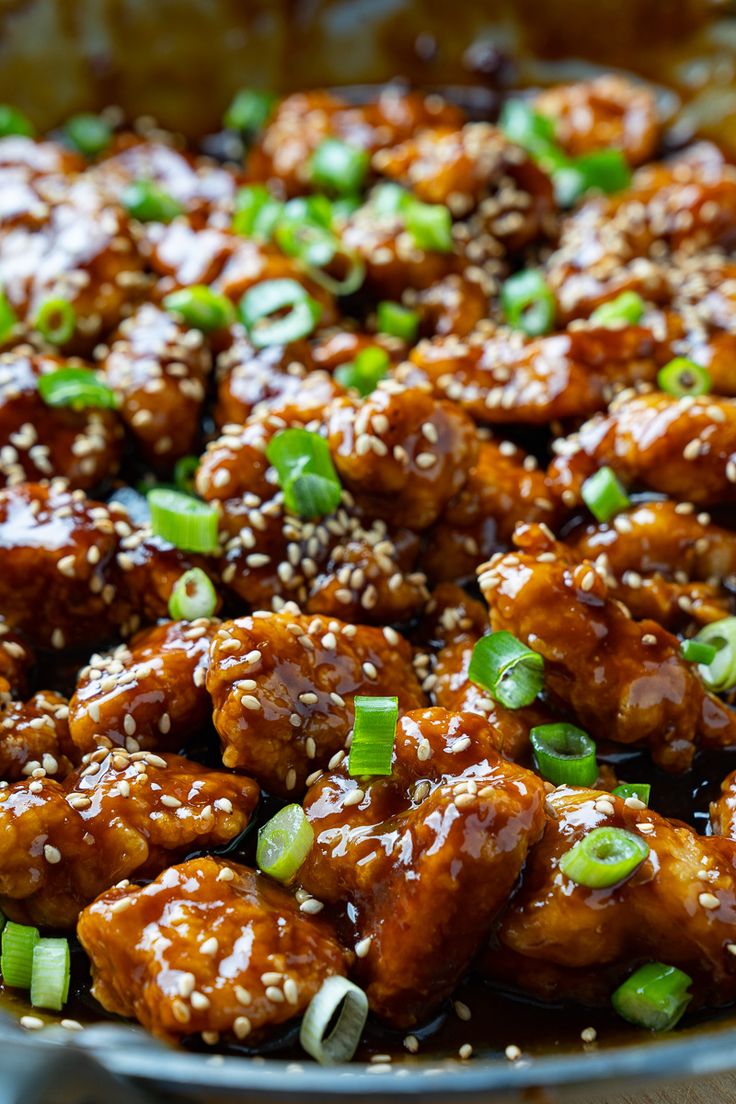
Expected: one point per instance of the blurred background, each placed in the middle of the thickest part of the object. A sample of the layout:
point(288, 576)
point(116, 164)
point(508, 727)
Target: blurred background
point(181, 60)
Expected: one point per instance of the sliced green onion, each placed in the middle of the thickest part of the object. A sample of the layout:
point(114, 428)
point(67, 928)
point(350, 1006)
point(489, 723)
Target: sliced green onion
point(604, 858)
point(366, 371)
point(605, 170)
point(565, 754)
point(511, 673)
point(625, 310)
point(372, 747)
point(388, 199)
point(75, 387)
point(525, 126)
point(312, 208)
point(56, 321)
point(316, 247)
point(604, 495)
point(338, 166)
point(655, 996)
point(305, 471)
point(640, 790)
point(13, 121)
point(51, 974)
point(259, 307)
point(720, 673)
point(684, 377)
point(200, 307)
point(397, 320)
point(527, 303)
point(16, 959)
point(89, 134)
point(430, 226)
point(184, 472)
point(8, 318)
point(193, 596)
point(256, 212)
point(249, 110)
point(184, 521)
point(339, 998)
point(284, 843)
point(146, 202)
point(697, 651)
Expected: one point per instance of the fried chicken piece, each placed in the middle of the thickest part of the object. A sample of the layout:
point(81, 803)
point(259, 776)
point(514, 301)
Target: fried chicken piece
point(684, 448)
point(302, 121)
point(34, 736)
point(663, 560)
point(147, 569)
point(475, 168)
point(209, 947)
point(159, 369)
point(561, 940)
point(608, 112)
point(401, 453)
point(422, 861)
point(283, 684)
point(38, 441)
point(455, 304)
point(507, 378)
point(147, 694)
point(16, 660)
point(723, 809)
point(622, 679)
point(120, 816)
point(56, 550)
point(503, 488)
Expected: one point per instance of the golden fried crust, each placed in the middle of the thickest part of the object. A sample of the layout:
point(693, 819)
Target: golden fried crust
point(16, 660)
point(663, 560)
point(151, 692)
point(117, 817)
point(34, 735)
point(622, 679)
point(685, 448)
point(302, 121)
point(38, 441)
point(425, 857)
point(56, 548)
point(283, 684)
point(587, 940)
point(609, 112)
point(206, 948)
point(402, 453)
point(453, 305)
point(159, 368)
point(504, 487)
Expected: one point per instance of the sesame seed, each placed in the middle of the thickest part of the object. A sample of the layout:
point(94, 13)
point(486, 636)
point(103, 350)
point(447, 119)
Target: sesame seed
point(354, 797)
point(589, 1034)
point(363, 946)
point(51, 854)
point(200, 1000)
point(462, 1011)
point(709, 901)
point(210, 946)
point(32, 1023)
point(241, 1026)
point(226, 874)
point(411, 1043)
point(465, 1051)
point(513, 1053)
point(311, 906)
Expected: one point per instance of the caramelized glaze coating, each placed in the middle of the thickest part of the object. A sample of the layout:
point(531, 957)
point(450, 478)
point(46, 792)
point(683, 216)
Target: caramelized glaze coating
point(158, 368)
point(401, 453)
point(684, 448)
point(608, 112)
point(283, 684)
point(56, 547)
point(621, 679)
point(34, 737)
point(507, 378)
point(209, 947)
point(147, 569)
point(443, 838)
point(16, 660)
point(38, 441)
point(120, 816)
point(664, 560)
point(147, 694)
point(504, 487)
point(559, 939)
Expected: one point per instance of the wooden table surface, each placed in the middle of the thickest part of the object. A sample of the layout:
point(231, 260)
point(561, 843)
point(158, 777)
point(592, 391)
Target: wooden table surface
point(707, 1090)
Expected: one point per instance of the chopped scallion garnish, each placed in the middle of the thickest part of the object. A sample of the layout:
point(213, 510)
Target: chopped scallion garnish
point(193, 596)
point(249, 110)
point(640, 790)
point(698, 651)
point(604, 170)
point(256, 212)
point(284, 843)
point(339, 1002)
point(16, 959)
point(625, 310)
point(655, 996)
point(527, 303)
point(604, 858)
point(338, 166)
point(184, 472)
point(564, 754)
point(305, 471)
point(429, 225)
point(372, 747)
point(259, 311)
point(604, 494)
point(147, 202)
point(77, 388)
point(8, 318)
point(397, 320)
point(89, 134)
point(511, 672)
point(365, 372)
point(14, 122)
point(200, 307)
point(184, 521)
point(720, 674)
point(56, 321)
point(51, 974)
point(684, 377)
